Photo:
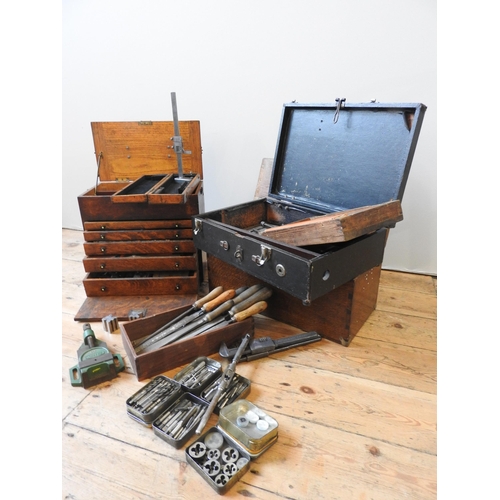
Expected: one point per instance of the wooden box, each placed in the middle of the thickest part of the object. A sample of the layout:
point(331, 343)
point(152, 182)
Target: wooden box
point(149, 364)
point(137, 218)
point(330, 158)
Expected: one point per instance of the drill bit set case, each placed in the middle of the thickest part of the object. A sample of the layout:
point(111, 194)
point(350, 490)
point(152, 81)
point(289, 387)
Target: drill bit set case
point(318, 235)
point(137, 217)
point(173, 407)
point(222, 455)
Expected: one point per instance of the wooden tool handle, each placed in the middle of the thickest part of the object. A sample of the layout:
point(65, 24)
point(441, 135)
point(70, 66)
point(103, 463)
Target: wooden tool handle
point(255, 309)
point(217, 312)
point(261, 294)
point(240, 297)
point(223, 297)
point(208, 297)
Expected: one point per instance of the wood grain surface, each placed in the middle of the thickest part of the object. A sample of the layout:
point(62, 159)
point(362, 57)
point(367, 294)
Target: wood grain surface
point(357, 422)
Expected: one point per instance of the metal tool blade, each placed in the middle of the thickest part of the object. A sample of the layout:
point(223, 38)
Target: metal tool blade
point(183, 332)
point(176, 326)
point(261, 347)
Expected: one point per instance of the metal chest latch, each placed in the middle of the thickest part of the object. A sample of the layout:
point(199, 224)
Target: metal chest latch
point(198, 226)
point(265, 255)
point(340, 103)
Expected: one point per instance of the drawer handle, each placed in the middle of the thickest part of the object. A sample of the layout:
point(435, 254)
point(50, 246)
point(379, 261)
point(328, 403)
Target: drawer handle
point(265, 255)
point(103, 249)
point(103, 266)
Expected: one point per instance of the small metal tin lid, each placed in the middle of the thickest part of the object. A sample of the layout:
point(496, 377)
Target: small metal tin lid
point(249, 425)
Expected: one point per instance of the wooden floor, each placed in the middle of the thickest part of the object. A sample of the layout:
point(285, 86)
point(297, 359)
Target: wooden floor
point(355, 422)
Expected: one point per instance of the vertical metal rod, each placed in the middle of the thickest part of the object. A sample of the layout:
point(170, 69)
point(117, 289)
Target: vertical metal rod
point(177, 136)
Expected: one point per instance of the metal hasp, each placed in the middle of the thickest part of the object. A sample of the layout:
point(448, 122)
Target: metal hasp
point(178, 147)
point(95, 363)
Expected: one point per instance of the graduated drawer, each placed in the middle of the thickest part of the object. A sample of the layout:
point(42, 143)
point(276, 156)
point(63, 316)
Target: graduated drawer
point(140, 263)
point(153, 247)
point(138, 235)
point(142, 225)
point(140, 283)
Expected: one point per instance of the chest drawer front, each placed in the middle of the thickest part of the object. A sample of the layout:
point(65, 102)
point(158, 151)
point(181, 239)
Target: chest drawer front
point(136, 283)
point(138, 235)
point(140, 263)
point(123, 225)
point(155, 247)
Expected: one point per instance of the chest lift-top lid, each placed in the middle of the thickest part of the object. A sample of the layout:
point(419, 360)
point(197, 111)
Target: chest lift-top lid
point(335, 157)
point(126, 151)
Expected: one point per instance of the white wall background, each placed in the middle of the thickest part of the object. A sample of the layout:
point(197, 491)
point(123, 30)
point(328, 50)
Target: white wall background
point(233, 65)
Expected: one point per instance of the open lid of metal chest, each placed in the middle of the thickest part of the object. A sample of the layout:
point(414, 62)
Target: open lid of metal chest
point(334, 157)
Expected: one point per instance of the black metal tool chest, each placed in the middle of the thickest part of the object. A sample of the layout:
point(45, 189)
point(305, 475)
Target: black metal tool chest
point(329, 158)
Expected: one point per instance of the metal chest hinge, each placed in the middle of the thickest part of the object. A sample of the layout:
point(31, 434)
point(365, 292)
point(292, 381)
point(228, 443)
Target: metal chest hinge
point(265, 255)
point(286, 205)
point(99, 156)
point(340, 104)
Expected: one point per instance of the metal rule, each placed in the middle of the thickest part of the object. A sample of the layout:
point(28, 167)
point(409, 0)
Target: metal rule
point(178, 147)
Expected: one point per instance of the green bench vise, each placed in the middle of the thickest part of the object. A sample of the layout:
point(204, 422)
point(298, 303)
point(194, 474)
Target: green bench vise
point(96, 363)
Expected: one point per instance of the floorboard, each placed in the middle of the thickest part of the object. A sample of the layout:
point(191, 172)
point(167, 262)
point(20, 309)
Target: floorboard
point(357, 422)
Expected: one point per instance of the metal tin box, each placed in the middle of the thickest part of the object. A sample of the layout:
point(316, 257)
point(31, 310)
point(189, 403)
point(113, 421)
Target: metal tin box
point(150, 401)
point(198, 374)
point(178, 422)
point(220, 457)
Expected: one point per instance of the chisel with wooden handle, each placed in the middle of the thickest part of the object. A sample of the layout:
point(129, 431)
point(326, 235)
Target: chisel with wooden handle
point(179, 325)
point(181, 334)
point(194, 307)
point(262, 293)
point(254, 309)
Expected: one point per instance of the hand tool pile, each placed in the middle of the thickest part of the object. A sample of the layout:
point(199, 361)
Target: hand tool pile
point(235, 388)
point(197, 374)
point(217, 309)
point(151, 397)
point(226, 379)
point(179, 420)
